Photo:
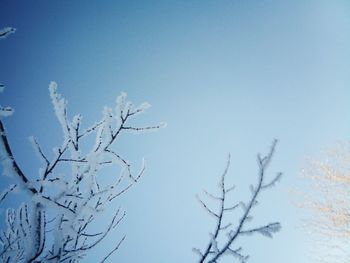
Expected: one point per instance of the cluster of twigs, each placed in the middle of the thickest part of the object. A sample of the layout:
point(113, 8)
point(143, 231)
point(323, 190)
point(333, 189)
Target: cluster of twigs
point(58, 221)
point(213, 251)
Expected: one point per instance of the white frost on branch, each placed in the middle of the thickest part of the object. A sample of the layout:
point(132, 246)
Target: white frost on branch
point(5, 111)
point(59, 105)
point(212, 253)
point(6, 31)
point(69, 202)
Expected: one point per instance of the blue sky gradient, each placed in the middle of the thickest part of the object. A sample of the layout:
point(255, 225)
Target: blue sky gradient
point(227, 76)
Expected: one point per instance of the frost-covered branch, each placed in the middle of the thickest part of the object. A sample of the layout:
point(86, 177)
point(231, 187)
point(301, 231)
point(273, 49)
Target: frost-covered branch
point(8, 161)
point(71, 191)
point(215, 250)
point(6, 31)
point(7, 191)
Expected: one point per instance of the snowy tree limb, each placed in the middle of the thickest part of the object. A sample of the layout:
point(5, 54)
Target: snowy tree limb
point(73, 200)
point(212, 253)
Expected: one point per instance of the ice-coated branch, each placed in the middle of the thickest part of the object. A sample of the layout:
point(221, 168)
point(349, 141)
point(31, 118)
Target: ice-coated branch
point(232, 231)
point(219, 215)
point(6, 31)
point(10, 166)
point(70, 192)
point(5, 111)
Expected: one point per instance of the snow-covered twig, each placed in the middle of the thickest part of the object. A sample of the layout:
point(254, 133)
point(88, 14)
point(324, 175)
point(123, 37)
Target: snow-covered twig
point(6, 31)
point(212, 254)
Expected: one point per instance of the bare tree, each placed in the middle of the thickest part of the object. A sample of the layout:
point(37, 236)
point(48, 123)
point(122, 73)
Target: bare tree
point(72, 191)
point(231, 232)
point(328, 202)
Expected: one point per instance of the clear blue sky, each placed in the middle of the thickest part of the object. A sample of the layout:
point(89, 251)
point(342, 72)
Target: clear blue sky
point(227, 76)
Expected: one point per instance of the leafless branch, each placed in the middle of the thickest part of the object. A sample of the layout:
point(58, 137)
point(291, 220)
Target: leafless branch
point(213, 255)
